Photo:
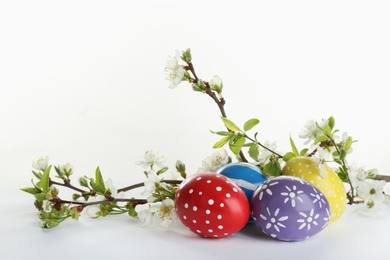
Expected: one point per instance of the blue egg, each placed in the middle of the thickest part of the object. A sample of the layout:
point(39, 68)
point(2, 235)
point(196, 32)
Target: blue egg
point(245, 175)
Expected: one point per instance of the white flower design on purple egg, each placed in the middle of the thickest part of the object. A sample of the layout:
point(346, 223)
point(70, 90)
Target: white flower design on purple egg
point(266, 188)
point(318, 198)
point(308, 219)
point(273, 220)
point(292, 195)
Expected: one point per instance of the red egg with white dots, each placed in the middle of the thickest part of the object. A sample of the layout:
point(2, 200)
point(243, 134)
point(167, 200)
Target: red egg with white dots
point(211, 205)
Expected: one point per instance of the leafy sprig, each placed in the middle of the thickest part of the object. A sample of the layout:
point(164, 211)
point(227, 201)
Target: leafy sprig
point(93, 192)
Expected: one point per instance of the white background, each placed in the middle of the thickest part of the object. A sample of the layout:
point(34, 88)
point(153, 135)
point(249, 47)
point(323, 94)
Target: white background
point(83, 82)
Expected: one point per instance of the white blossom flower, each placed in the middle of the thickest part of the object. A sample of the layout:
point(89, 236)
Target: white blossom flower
point(41, 163)
point(151, 182)
point(326, 154)
point(164, 214)
point(357, 174)
point(114, 191)
point(264, 154)
point(174, 71)
point(144, 214)
point(311, 131)
point(170, 175)
point(160, 214)
point(371, 190)
point(152, 158)
point(372, 193)
point(215, 161)
point(322, 165)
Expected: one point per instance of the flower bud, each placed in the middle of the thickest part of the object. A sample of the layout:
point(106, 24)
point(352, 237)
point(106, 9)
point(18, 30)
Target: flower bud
point(181, 168)
point(66, 169)
point(216, 84)
point(83, 182)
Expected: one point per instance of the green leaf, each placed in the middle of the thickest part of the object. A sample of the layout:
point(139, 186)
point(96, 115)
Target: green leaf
point(348, 143)
point(31, 190)
point(250, 124)
point(45, 180)
point(293, 147)
point(343, 154)
point(304, 151)
point(327, 130)
point(321, 138)
point(331, 122)
point(230, 125)
point(254, 151)
point(272, 169)
point(99, 180)
point(342, 174)
point(38, 175)
point(222, 142)
point(222, 133)
point(288, 156)
point(236, 143)
point(40, 196)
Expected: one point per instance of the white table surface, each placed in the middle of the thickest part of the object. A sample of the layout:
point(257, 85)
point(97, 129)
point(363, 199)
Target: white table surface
point(353, 236)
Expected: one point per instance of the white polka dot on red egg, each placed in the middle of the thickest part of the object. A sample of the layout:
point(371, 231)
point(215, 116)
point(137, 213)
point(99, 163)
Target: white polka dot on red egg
point(211, 202)
point(208, 212)
point(218, 188)
point(228, 195)
point(190, 191)
point(194, 208)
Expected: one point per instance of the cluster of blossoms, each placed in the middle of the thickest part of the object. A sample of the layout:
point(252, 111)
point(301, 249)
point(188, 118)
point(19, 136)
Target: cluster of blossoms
point(101, 198)
point(159, 209)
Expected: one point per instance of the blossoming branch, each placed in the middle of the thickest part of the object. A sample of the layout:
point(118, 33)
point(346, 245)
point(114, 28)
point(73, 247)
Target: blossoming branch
point(252, 167)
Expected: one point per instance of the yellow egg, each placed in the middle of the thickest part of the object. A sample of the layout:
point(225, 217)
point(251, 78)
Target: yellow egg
point(332, 187)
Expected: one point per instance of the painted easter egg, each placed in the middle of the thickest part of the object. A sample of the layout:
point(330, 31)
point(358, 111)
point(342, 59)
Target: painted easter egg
point(332, 187)
point(289, 209)
point(245, 175)
point(211, 205)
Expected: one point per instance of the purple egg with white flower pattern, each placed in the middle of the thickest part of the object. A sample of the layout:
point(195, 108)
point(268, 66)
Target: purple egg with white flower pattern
point(289, 208)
